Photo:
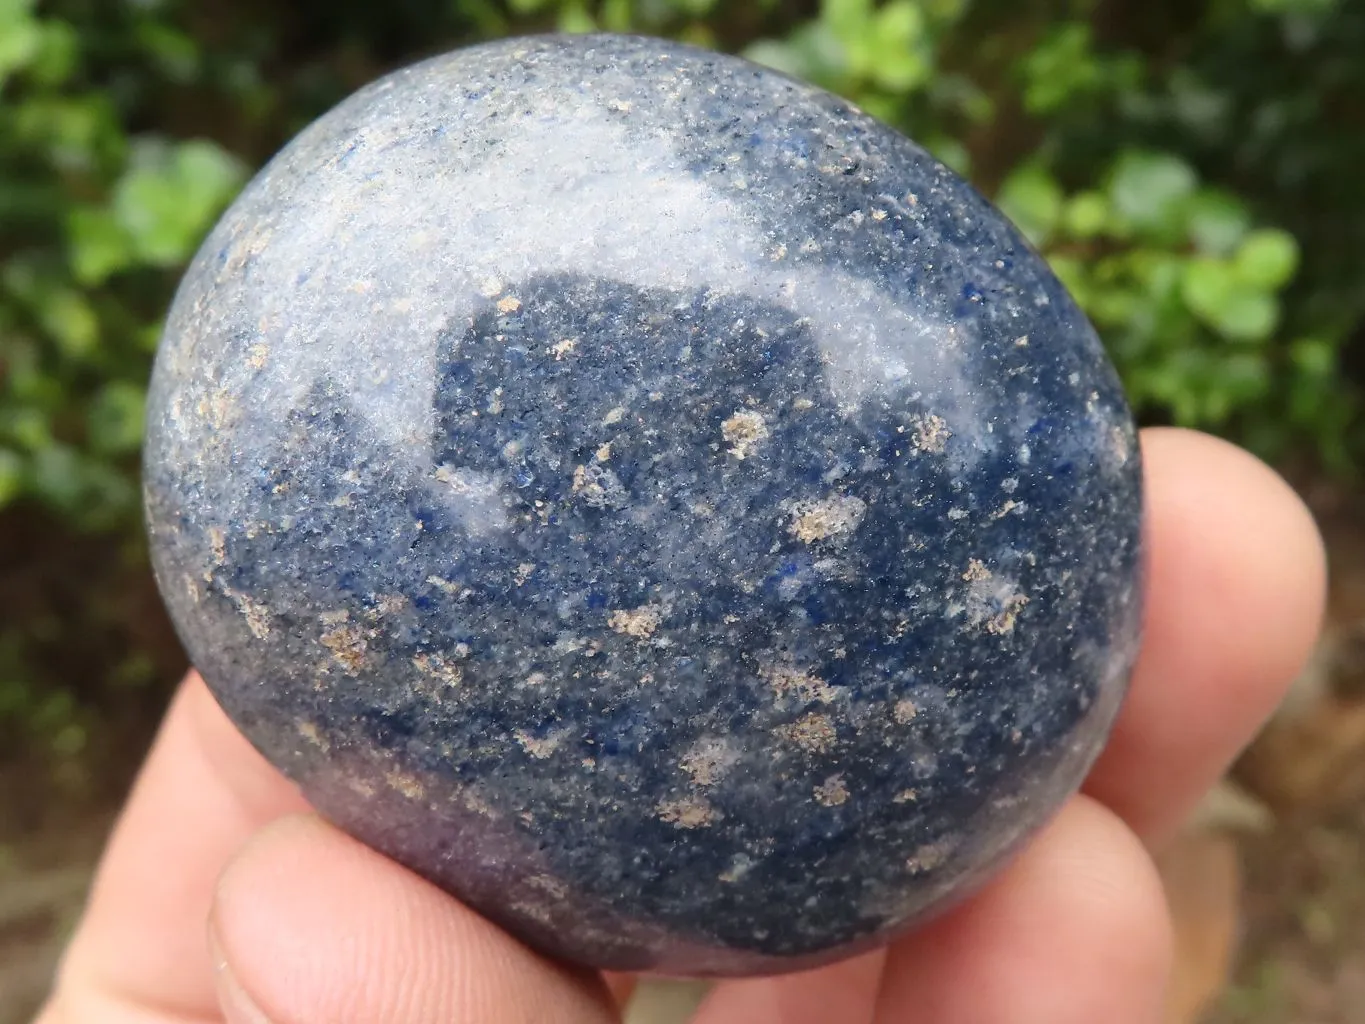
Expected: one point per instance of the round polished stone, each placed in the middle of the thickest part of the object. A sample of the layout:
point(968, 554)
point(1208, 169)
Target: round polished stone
point(649, 498)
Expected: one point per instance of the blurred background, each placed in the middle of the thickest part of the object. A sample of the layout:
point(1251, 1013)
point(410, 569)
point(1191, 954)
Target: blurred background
point(1193, 169)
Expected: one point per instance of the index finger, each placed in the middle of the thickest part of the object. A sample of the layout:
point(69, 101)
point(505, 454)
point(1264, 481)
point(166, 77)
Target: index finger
point(294, 903)
point(203, 791)
point(1236, 587)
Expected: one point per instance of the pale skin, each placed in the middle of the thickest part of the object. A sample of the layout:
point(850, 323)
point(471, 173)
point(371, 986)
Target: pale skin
point(221, 898)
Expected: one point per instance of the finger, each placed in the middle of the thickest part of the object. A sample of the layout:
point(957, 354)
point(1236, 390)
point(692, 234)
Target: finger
point(846, 992)
point(1236, 587)
point(141, 941)
point(1075, 931)
point(313, 926)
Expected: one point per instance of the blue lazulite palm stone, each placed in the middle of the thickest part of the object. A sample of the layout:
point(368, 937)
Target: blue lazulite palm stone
point(649, 498)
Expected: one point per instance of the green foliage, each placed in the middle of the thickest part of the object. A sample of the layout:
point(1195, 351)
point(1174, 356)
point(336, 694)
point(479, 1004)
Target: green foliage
point(162, 204)
point(1064, 68)
point(1190, 170)
point(885, 57)
point(1116, 161)
point(1187, 297)
point(99, 220)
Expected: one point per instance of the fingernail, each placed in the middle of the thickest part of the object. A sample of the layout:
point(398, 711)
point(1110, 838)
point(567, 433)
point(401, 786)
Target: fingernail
point(237, 1006)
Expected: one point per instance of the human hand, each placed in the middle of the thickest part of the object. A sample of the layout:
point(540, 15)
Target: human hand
point(305, 925)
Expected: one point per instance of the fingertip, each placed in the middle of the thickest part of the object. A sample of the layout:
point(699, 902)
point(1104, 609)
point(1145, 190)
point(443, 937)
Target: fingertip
point(1215, 489)
point(1111, 883)
point(311, 925)
point(1236, 589)
point(1075, 930)
point(201, 792)
point(845, 991)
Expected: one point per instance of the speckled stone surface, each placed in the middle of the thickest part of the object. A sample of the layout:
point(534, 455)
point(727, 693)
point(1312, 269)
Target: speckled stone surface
point(649, 498)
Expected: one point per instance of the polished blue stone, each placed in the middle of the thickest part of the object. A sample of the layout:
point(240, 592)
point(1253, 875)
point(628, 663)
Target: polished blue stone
point(649, 498)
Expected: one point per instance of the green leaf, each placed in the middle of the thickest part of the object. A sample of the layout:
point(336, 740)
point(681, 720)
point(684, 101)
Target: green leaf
point(1087, 214)
point(574, 18)
point(1208, 287)
point(1058, 68)
point(1314, 357)
point(847, 19)
point(15, 12)
point(97, 245)
point(21, 36)
point(167, 200)
point(1113, 306)
point(66, 315)
point(148, 336)
point(845, 29)
point(1149, 189)
point(28, 427)
point(78, 132)
point(56, 56)
point(115, 418)
point(208, 175)
point(825, 59)
point(1217, 296)
point(616, 15)
point(903, 72)
point(1159, 272)
point(779, 56)
point(1267, 259)
point(1217, 221)
point(896, 35)
point(1251, 317)
point(1032, 199)
point(1075, 276)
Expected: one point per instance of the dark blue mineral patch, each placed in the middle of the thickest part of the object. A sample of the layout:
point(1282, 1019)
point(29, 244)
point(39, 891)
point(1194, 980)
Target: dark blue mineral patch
point(649, 498)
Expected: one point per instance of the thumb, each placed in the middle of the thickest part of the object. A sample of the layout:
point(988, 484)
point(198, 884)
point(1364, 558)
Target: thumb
point(309, 925)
